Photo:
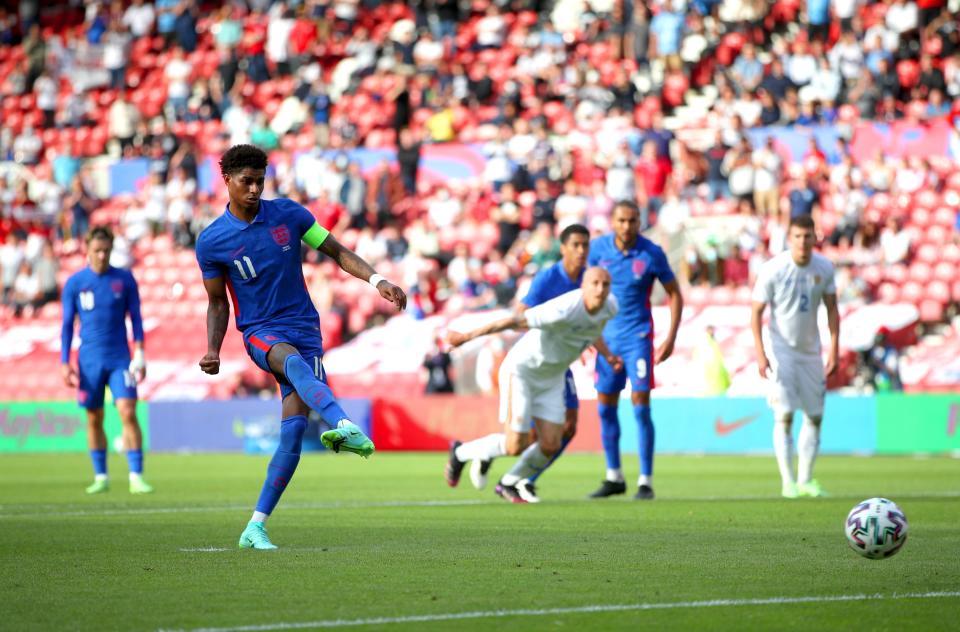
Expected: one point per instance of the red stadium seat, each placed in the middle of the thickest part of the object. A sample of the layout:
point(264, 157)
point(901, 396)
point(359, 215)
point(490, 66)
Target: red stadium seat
point(888, 293)
point(931, 311)
point(912, 292)
point(920, 272)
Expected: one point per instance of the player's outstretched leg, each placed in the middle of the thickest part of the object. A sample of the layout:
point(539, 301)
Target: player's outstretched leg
point(646, 436)
point(454, 467)
point(279, 472)
point(345, 435)
point(482, 452)
point(613, 484)
point(563, 446)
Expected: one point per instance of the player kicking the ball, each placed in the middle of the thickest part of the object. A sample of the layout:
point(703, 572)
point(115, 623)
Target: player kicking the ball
point(793, 283)
point(254, 250)
point(532, 375)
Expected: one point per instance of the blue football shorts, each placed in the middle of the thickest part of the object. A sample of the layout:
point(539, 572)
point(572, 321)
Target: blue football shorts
point(97, 373)
point(309, 345)
point(637, 355)
point(570, 399)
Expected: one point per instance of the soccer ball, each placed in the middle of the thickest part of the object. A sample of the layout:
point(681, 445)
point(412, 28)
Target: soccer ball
point(876, 528)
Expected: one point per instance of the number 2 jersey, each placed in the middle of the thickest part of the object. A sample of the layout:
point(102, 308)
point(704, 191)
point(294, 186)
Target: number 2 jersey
point(794, 293)
point(102, 301)
point(260, 264)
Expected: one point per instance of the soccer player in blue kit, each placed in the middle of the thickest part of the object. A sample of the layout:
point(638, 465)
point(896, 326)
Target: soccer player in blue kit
point(634, 262)
point(253, 250)
point(102, 296)
point(564, 276)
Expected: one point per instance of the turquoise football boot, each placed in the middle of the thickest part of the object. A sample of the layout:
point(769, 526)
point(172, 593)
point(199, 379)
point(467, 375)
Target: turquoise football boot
point(255, 537)
point(347, 436)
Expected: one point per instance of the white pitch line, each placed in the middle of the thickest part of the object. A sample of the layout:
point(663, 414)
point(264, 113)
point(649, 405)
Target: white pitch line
point(205, 549)
point(57, 513)
point(489, 614)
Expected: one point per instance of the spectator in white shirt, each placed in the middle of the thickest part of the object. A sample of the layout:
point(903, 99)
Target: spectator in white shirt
point(139, 18)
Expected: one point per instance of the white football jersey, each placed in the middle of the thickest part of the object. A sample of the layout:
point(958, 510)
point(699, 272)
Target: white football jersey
point(560, 330)
point(794, 294)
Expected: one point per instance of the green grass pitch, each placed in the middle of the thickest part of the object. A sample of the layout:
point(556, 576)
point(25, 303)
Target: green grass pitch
point(384, 544)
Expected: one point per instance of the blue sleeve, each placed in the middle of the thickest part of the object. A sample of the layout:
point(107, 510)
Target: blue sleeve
point(69, 301)
point(133, 307)
point(301, 220)
point(210, 268)
point(535, 294)
point(662, 266)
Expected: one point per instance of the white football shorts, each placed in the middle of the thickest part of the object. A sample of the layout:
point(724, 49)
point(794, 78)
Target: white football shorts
point(523, 399)
point(798, 383)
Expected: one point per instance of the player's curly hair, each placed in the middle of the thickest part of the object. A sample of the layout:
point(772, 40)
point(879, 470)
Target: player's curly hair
point(242, 157)
point(99, 232)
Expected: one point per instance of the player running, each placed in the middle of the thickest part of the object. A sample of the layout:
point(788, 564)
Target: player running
point(793, 283)
point(532, 375)
point(564, 276)
point(634, 262)
point(102, 296)
point(254, 250)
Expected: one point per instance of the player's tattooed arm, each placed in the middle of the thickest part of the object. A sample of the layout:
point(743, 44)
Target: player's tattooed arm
point(352, 264)
point(218, 319)
point(519, 321)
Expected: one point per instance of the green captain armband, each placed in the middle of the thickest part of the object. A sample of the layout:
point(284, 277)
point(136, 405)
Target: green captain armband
point(315, 236)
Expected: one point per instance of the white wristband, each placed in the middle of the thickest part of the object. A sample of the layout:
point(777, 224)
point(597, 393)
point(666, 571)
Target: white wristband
point(375, 279)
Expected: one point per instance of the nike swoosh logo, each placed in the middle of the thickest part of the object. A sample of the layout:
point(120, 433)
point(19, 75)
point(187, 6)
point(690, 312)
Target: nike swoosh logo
point(722, 427)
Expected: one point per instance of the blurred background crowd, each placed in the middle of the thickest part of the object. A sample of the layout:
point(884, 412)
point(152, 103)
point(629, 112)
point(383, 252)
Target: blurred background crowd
point(691, 108)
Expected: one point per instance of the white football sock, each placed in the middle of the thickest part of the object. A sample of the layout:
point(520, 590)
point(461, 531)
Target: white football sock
point(484, 448)
point(807, 448)
point(783, 448)
point(259, 516)
point(100, 477)
point(645, 480)
point(615, 475)
point(530, 462)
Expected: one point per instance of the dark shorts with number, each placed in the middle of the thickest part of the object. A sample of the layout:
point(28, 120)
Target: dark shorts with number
point(637, 355)
point(570, 399)
point(309, 344)
point(97, 373)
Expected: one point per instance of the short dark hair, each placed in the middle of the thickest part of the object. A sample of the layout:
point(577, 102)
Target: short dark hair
point(573, 229)
point(802, 221)
point(241, 157)
point(99, 232)
point(630, 204)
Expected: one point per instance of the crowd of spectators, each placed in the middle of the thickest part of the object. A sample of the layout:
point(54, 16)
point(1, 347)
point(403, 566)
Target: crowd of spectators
point(576, 104)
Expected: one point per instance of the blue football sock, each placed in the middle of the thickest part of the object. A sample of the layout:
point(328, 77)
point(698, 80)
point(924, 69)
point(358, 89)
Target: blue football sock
point(610, 435)
point(563, 446)
point(646, 434)
point(311, 390)
point(284, 462)
point(135, 461)
point(99, 458)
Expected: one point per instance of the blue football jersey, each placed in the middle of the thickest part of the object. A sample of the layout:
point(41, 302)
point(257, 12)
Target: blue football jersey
point(550, 283)
point(260, 263)
point(102, 302)
point(632, 275)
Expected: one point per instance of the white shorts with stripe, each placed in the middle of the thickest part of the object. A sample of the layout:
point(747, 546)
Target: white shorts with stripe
point(522, 399)
point(798, 383)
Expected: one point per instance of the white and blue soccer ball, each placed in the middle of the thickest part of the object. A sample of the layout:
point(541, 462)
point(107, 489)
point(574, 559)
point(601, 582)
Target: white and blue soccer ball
point(876, 528)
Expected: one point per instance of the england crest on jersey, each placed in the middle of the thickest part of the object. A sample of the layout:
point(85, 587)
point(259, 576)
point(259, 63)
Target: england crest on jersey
point(281, 235)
